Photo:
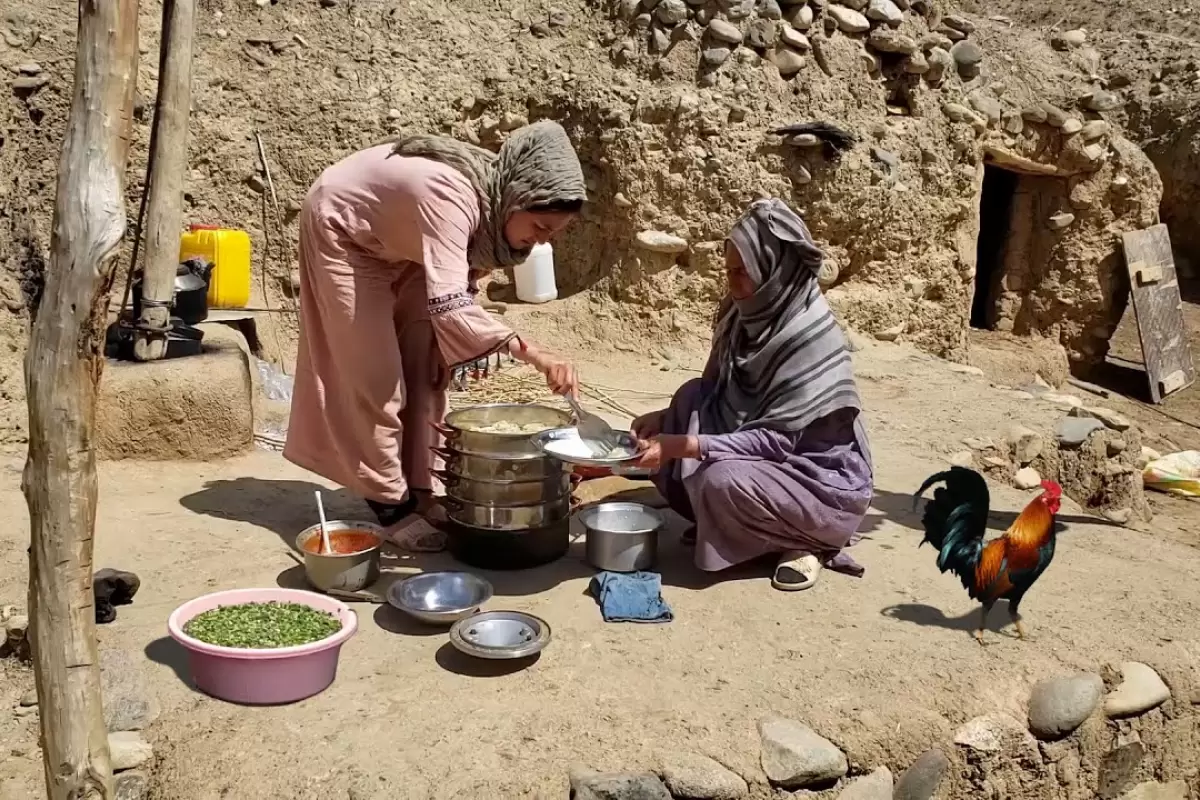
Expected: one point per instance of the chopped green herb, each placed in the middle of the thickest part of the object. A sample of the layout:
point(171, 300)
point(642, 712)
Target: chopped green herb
point(262, 626)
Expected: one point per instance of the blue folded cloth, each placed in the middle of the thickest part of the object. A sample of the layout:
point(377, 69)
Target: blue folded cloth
point(631, 597)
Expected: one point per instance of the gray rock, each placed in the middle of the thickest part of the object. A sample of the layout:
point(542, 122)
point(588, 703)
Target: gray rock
point(995, 734)
point(1101, 101)
point(1058, 706)
point(1024, 444)
point(130, 786)
point(1153, 790)
point(695, 777)
point(1033, 114)
point(921, 780)
point(959, 113)
point(713, 57)
point(760, 34)
point(874, 786)
point(660, 41)
point(769, 9)
point(885, 11)
point(959, 23)
point(1054, 115)
point(789, 62)
point(29, 68)
point(723, 31)
point(1095, 129)
point(951, 34)
point(1027, 478)
point(1062, 219)
point(737, 9)
point(885, 157)
point(932, 40)
point(967, 54)
point(1074, 431)
point(848, 20)
point(128, 750)
point(1071, 127)
point(795, 756)
point(794, 38)
point(628, 9)
point(128, 705)
point(28, 84)
point(1141, 689)
point(1110, 418)
point(889, 41)
point(29, 699)
point(916, 64)
point(988, 106)
point(801, 17)
point(617, 786)
point(660, 242)
point(857, 5)
point(671, 12)
point(939, 62)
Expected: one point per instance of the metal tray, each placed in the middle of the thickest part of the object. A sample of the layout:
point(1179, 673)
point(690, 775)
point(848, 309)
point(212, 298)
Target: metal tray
point(500, 635)
point(545, 440)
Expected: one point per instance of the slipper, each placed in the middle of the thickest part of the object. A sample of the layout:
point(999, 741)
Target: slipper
point(416, 535)
point(796, 571)
point(688, 539)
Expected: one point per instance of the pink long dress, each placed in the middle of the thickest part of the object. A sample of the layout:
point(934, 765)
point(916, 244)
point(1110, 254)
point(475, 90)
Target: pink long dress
point(384, 308)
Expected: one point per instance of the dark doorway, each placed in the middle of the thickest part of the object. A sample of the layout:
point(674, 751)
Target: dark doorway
point(995, 219)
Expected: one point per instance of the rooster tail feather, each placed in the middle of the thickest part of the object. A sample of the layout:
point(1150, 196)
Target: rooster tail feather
point(955, 518)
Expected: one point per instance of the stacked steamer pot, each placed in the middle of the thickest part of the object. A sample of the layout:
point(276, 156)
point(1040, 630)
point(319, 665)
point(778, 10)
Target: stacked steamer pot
point(508, 505)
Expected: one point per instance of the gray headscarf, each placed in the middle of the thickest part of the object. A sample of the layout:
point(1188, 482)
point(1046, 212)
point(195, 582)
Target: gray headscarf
point(780, 359)
point(535, 165)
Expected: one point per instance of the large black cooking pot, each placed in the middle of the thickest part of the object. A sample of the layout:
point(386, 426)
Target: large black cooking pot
point(508, 550)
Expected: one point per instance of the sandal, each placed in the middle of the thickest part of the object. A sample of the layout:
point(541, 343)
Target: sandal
point(389, 514)
point(688, 539)
point(796, 571)
point(415, 534)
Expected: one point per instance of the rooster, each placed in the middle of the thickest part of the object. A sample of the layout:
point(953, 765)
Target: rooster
point(955, 521)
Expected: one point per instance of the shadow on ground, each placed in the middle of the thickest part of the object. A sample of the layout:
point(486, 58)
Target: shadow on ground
point(930, 617)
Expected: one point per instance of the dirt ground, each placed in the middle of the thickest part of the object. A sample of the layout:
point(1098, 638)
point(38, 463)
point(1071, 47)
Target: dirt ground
point(883, 666)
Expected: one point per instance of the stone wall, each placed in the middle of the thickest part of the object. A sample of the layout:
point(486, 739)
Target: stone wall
point(1122, 732)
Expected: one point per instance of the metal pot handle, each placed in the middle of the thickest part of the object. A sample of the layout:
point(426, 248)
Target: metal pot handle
point(442, 428)
point(443, 452)
point(445, 476)
point(451, 502)
point(575, 501)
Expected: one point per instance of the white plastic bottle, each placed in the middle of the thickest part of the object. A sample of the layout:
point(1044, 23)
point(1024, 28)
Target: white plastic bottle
point(535, 276)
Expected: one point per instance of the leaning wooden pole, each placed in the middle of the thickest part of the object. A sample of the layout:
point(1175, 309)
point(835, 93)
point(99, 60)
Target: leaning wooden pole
point(62, 368)
point(164, 212)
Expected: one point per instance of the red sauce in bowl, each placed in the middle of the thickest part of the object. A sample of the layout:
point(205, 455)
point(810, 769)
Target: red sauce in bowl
point(343, 543)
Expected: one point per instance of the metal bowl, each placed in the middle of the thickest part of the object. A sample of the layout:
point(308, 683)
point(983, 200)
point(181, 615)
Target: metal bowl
point(558, 443)
point(461, 428)
point(440, 598)
point(347, 572)
point(500, 635)
point(621, 537)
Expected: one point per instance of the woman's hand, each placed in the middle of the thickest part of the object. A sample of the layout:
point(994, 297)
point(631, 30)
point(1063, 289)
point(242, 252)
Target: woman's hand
point(647, 426)
point(653, 453)
point(559, 373)
point(650, 455)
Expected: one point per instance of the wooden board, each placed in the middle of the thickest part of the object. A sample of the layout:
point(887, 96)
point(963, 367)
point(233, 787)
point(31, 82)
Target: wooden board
point(1154, 286)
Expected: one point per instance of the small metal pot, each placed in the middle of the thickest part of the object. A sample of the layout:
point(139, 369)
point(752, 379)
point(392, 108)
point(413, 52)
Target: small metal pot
point(460, 429)
point(348, 573)
point(621, 537)
point(487, 468)
point(505, 493)
point(508, 550)
point(507, 518)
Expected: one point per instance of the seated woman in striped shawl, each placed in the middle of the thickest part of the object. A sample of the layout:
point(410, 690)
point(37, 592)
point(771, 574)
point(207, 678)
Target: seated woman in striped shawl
point(767, 453)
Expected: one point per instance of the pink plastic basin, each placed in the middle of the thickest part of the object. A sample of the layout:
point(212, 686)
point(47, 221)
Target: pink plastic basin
point(263, 677)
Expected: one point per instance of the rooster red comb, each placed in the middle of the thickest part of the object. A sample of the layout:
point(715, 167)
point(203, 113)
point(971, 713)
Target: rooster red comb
point(1052, 489)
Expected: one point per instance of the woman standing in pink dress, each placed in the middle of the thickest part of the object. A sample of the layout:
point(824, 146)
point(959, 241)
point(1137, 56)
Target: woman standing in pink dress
point(392, 241)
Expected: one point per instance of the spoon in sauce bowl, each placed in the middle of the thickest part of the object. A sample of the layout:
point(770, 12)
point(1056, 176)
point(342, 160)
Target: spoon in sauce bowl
point(326, 548)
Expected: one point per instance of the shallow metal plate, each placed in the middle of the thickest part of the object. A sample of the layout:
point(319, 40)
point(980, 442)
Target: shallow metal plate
point(500, 635)
point(625, 453)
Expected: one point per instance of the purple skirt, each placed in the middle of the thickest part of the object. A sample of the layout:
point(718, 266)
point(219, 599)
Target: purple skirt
point(747, 505)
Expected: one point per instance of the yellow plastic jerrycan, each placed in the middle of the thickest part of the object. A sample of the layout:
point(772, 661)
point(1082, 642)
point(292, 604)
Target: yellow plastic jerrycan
point(228, 250)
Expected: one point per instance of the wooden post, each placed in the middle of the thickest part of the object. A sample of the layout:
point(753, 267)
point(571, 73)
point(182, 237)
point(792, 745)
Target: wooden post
point(168, 142)
point(62, 368)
